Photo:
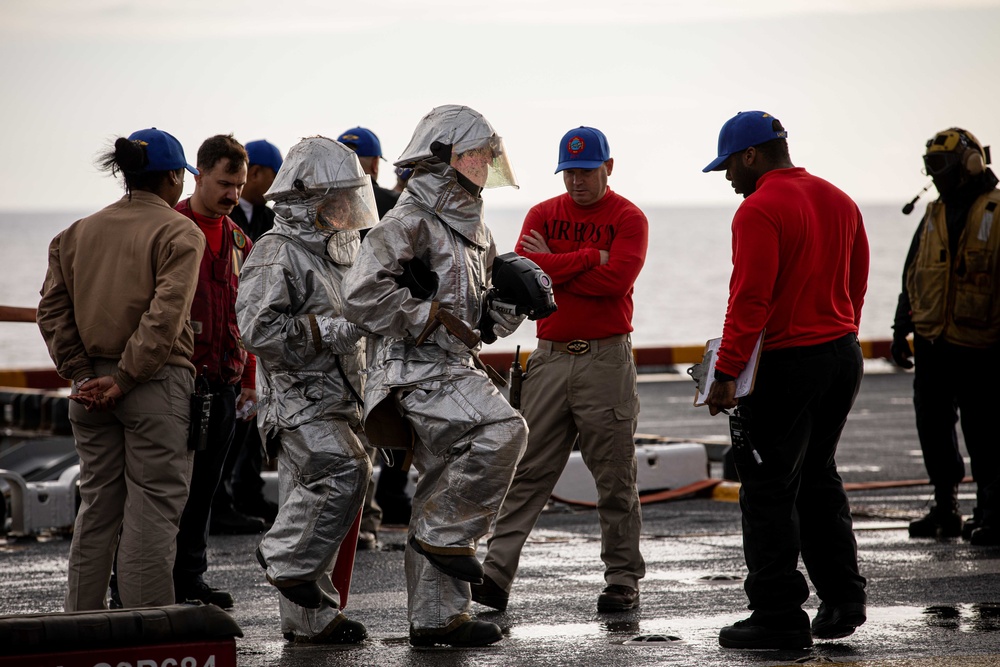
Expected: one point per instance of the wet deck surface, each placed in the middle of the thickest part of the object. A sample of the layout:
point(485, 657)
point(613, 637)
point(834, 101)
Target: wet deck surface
point(930, 603)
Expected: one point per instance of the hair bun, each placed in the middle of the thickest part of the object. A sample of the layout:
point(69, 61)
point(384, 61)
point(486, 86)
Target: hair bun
point(130, 155)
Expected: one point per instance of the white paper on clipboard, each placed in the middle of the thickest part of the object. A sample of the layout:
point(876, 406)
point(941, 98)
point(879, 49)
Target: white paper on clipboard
point(746, 378)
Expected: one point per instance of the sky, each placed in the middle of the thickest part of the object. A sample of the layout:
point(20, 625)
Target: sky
point(859, 84)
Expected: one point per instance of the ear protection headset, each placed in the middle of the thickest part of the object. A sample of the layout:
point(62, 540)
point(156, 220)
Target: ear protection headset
point(947, 149)
point(972, 157)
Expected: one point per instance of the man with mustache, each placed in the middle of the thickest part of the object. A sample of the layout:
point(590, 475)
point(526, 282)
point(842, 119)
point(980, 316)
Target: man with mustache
point(217, 348)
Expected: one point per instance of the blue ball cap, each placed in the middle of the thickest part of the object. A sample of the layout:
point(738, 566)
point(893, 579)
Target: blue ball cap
point(163, 151)
point(363, 141)
point(263, 153)
point(745, 129)
point(583, 148)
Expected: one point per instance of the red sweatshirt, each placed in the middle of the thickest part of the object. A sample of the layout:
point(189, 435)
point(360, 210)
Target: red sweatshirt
point(594, 301)
point(800, 267)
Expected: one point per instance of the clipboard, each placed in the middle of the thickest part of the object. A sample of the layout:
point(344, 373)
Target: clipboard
point(705, 373)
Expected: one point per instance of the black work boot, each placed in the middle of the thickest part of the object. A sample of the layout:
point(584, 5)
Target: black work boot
point(196, 589)
point(944, 519)
point(749, 634)
point(306, 594)
point(465, 568)
point(468, 633)
point(341, 630)
point(985, 535)
point(834, 621)
point(490, 593)
point(971, 524)
point(616, 597)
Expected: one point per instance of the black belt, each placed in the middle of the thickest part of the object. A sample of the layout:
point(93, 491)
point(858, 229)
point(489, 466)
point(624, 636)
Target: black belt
point(580, 346)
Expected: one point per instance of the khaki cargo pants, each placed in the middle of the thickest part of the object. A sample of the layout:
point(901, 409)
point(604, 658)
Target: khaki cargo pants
point(590, 397)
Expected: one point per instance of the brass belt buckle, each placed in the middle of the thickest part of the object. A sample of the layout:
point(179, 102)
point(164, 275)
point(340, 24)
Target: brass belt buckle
point(578, 347)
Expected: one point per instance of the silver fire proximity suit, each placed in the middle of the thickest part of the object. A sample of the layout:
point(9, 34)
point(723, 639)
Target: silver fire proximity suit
point(468, 437)
point(309, 362)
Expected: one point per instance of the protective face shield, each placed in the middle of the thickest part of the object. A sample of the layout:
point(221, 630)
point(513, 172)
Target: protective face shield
point(954, 148)
point(349, 208)
point(476, 150)
point(486, 165)
point(321, 181)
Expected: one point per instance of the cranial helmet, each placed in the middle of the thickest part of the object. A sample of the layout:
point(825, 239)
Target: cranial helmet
point(322, 181)
point(953, 148)
point(476, 150)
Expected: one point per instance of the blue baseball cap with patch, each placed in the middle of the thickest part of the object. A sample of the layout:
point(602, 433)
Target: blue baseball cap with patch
point(163, 151)
point(583, 148)
point(745, 129)
point(264, 153)
point(363, 141)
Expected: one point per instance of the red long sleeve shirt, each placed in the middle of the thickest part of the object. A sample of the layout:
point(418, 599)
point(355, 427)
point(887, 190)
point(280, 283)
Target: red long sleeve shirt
point(594, 300)
point(800, 267)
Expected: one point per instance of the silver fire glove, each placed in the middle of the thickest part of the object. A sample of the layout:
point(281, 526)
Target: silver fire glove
point(506, 320)
point(339, 335)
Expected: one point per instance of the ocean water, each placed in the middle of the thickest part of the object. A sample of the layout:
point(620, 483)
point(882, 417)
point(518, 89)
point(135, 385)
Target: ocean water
point(680, 296)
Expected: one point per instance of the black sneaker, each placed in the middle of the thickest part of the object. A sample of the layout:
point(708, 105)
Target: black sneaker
point(744, 634)
point(199, 590)
point(938, 523)
point(490, 594)
point(341, 630)
point(464, 568)
point(469, 633)
point(618, 598)
point(838, 620)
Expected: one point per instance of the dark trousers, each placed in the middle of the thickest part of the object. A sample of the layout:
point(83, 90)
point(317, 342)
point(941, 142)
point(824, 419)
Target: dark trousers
point(247, 484)
point(241, 484)
point(794, 501)
point(950, 380)
point(192, 538)
point(390, 493)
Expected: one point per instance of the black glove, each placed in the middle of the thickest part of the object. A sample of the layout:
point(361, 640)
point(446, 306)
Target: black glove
point(900, 351)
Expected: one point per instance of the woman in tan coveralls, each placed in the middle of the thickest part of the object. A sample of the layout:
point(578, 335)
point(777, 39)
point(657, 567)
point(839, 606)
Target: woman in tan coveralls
point(114, 313)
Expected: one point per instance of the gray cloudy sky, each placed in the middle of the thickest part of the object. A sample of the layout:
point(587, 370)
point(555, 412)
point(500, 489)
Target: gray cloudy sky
point(859, 84)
